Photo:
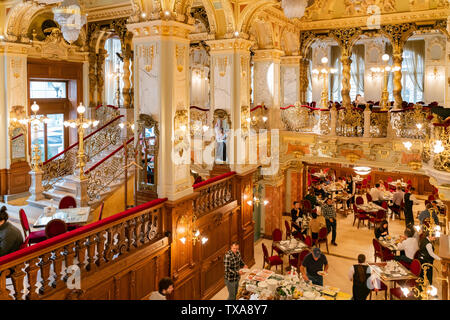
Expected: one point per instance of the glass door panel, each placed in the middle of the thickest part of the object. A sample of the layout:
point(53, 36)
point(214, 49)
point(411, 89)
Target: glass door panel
point(55, 134)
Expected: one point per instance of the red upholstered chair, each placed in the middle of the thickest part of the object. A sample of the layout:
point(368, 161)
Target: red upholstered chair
point(277, 236)
point(55, 227)
point(389, 179)
point(359, 200)
point(288, 229)
point(369, 178)
point(307, 207)
point(25, 244)
point(308, 241)
point(368, 197)
point(360, 215)
point(297, 260)
point(67, 202)
point(386, 185)
point(415, 269)
point(32, 236)
point(431, 197)
point(378, 218)
point(302, 255)
point(271, 261)
point(378, 252)
point(384, 205)
point(323, 237)
point(387, 254)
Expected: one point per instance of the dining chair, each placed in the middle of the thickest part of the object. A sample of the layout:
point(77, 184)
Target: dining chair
point(378, 218)
point(359, 215)
point(308, 241)
point(415, 268)
point(288, 229)
point(378, 253)
point(276, 236)
point(323, 237)
point(32, 236)
point(67, 202)
point(368, 197)
point(272, 260)
point(55, 227)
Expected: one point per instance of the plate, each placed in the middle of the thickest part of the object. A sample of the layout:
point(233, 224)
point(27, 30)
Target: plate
point(322, 273)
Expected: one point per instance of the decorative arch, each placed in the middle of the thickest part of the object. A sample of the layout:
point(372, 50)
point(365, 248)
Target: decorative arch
point(19, 19)
point(250, 12)
point(263, 33)
point(186, 6)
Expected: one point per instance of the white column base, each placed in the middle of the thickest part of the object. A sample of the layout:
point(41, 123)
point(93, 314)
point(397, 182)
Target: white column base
point(36, 188)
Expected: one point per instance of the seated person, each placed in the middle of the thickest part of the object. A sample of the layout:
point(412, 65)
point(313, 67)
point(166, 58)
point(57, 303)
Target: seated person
point(425, 214)
point(382, 230)
point(10, 237)
point(316, 223)
point(311, 198)
point(397, 197)
point(296, 212)
point(382, 187)
point(408, 245)
point(320, 192)
point(375, 192)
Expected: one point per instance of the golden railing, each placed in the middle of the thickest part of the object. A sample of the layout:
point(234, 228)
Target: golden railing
point(108, 170)
point(48, 267)
point(411, 123)
point(64, 163)
point(214, 193)
point(378, 124)
point(437, 147)
point(105, 113)
point(350, 122)
point(303, 118)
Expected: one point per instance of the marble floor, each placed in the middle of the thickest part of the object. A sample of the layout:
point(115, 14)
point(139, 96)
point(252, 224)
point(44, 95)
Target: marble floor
point(351, 242)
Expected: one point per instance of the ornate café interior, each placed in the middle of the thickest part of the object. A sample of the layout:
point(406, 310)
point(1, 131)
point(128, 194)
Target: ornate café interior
point(224, 149)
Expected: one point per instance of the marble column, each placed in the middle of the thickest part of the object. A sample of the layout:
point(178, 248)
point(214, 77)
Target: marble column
point(161, 77)
point(230, 91)
point(304, 65)
point(290, 80)
point(267, 83)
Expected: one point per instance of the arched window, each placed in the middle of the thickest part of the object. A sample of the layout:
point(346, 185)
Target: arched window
point(113, 72)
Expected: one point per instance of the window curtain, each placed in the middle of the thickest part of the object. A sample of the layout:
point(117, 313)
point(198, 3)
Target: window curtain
point(357, 71)
point(413, 70)
point(335, 87)
point(112, 46)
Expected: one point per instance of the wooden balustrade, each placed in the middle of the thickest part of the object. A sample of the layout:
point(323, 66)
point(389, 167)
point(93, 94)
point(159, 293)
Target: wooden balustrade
point(213, 193)
point(44, 271)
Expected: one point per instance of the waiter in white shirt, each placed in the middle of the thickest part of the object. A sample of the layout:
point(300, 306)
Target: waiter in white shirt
point(376, 195)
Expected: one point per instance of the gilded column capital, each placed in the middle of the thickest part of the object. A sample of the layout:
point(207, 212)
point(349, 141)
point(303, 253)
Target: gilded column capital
point(159, 29)
point(229, 45)
point(268, 55)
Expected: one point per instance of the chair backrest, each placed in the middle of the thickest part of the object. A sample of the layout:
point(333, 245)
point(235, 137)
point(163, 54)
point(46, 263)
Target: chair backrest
point(25, 244)
point(369, 178)
point(101, 211)
point(276, 235)
point(307, 205)
point(55, 227)
point(381, 214)
point(431, 197)
point(308, 241)
point(359, 200)
point(384, 205)
point(376, 246)
point(369, 197)
point(24, 222)
point(67, 202)
point(288, 228)
point(389, 179)
point(302, 256)
point(415, 267)
point(386, 185)
point(409, 182)
point(265, 252)
point(323, 232)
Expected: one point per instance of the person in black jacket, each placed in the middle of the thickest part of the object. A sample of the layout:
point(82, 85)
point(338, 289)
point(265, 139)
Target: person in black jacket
point(10, 237)
point(359, 274)
point(427, 255)
point(296, 213)
point(410, 200)
point(382, 230)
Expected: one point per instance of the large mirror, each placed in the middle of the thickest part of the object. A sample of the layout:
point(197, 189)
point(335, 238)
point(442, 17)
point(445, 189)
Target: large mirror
point(17, 134)
point(148, 145)
point(222, 125)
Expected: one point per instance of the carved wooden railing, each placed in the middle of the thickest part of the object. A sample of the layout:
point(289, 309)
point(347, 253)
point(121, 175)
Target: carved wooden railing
point(108, 170)
point(411, 122)
point(44, 269)
point(214, 193)
point(64, 163)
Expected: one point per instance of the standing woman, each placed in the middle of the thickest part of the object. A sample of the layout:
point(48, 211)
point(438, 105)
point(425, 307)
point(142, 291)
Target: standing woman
point(359, 274)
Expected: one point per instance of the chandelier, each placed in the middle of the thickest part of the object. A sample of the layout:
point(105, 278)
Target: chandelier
point(362, 171)
point(294, 8)
point(69, 17)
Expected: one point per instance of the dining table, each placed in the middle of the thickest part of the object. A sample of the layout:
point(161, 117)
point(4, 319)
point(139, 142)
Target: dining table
point(398, 182)
point(70, 216)
point(291, 246)
point(370, 207)
point(390, 243)
point(266, 285)
point(390, 273)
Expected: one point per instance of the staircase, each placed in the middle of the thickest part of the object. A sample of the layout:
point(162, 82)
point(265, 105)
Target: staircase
point(104, 167)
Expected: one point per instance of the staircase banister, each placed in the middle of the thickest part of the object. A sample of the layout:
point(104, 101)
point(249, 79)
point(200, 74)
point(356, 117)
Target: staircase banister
point(107, 157)
point(85, 138)
point(213, 180)
point(12, 259)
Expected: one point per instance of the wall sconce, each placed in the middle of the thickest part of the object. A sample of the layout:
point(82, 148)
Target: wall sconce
point(435, 74)
point(180, 125)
